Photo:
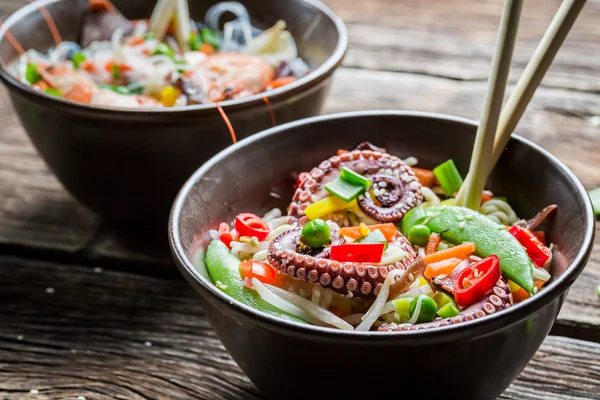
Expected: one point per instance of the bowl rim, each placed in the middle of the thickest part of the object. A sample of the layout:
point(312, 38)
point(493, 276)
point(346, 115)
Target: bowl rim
point(504, 318)
point(303, 84)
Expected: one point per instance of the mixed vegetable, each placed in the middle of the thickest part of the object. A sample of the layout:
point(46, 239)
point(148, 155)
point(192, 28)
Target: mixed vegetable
point(167, 60)
point(441, 262)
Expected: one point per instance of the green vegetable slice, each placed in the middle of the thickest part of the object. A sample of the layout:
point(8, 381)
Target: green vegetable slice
point(355, 179)
point(448, 176)
point(53, 92)
point(412, 217)
point(77, 59)
point(375, 236)
point(223, 268)
point(344, 190)
point(31, 74)
point(448, 310)
point(210, 37)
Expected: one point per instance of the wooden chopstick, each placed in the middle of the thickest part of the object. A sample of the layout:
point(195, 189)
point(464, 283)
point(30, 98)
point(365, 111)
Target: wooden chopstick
point(531, 78)
point(486, 132)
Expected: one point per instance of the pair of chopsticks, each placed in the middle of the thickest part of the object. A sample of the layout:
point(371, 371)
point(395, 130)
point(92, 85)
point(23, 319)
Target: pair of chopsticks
point(497, 124)
point(166, 11)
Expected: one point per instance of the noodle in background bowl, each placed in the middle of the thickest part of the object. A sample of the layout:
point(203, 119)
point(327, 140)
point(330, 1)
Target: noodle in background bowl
point(471, 360)
point(127, 164)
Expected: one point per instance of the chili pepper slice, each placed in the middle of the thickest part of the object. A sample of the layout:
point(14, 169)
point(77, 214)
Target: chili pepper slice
point(225, 234)
point(473, 283)
point(358, 252)
point(535, 249)
point(248, 224)
point(257, 269)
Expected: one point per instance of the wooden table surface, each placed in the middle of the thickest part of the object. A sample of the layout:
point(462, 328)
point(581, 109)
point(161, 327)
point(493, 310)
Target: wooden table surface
point(82, 315)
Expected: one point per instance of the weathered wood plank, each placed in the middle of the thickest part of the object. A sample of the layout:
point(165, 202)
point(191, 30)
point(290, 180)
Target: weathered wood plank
point(122, 335)
point(455, 39)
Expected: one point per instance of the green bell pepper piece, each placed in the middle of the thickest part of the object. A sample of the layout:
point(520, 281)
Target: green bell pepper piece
point(459, 225)
point(441, 299)
point(448, 311)
point(224, 269)
point(316, 233)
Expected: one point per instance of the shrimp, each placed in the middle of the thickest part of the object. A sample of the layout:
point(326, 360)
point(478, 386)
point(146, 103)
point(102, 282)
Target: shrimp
point(232, 75)
point(76, 86)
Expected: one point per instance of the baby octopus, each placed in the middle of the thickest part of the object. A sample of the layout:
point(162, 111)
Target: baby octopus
point(287, 253)
point(394, 190)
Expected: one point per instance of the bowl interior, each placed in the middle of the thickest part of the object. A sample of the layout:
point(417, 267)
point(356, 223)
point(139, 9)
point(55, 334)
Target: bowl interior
point(259, 173)
point(310, 23)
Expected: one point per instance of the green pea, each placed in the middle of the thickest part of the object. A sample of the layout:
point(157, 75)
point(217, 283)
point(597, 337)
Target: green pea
point(428, 308)
point(449, 310)
point(31, 74)
point(419, 234)
point(316, 233)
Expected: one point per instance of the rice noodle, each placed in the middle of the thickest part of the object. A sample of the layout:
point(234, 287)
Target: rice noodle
point(375, 310)
point(541, 274)
point(392, 255)
point(415, 315)
point(278, 231)
point(214, 235)
point(260, 255)
point(429, 196)
point(316, 295)
point(309, 307)
point(425, 289)
point(284, 305)
point(354, 319)
point(271, 215)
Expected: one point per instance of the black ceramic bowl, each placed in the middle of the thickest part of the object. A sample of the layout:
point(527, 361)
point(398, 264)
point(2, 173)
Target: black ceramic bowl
point(128, 164)
point(472, 360)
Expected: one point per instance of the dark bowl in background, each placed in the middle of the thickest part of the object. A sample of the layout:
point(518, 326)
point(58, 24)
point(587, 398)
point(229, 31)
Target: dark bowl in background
point(472, 360)
point(127, 165)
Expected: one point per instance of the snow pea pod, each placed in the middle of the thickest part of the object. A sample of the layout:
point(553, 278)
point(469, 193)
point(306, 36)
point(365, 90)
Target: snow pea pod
point(224, 269)
point(459, 224)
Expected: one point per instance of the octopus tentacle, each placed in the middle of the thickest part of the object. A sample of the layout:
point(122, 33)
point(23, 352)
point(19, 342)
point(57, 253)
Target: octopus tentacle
point(499, 298)
point(287, 254)
point(395, 188)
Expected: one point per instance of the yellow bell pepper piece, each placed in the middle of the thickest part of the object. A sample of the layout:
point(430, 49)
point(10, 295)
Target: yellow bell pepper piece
point(513, 286)
point(327, 206)
point(169, 96)
point(422, 282)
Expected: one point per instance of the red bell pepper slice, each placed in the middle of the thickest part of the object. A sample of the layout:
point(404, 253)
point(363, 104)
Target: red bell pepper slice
point(358, 252)
point(225, 234)
point(475, 281)
point(257, 269)
point(301, 178)
point(247, 224)
point(536, 250)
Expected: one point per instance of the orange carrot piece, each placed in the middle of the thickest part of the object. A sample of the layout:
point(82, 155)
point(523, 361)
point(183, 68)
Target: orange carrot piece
point(284, 80)
point(485, 197)
point(443, 267)
point(137, 41)
point(42, 85)
point(122, 66)
point(425, 176)
point(522, 294)
point(388, 230)
point(207, 49)
point(433, 243)
point(460, 251)
point(540, 235)
point(88, 66)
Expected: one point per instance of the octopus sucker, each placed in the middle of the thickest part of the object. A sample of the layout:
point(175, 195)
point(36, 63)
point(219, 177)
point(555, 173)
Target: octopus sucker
point(394, 188)
point(499, 298)
point(362, 280)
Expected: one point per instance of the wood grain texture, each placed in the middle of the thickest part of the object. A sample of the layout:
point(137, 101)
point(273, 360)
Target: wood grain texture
point(123, 335)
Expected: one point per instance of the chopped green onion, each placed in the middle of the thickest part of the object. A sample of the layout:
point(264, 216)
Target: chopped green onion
point(53, 92)
point(316, 233)
point(441, 299)
point(31, 74)
point(135, 88)
point(448, 310)
point(195, 41)
point(595, 197)
point(375, 236)
point(402, 307)
point(210, 37)
point(413, 217)
point(164, 49)
point(121, 89)
point(355, 179)
point(116, 72)
point(344, 190)
point(149, 36)
point(78, 58)
point(448, 176)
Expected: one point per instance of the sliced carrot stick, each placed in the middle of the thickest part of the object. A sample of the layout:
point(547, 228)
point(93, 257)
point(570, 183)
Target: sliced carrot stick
point(388, 230)
point(433, 243)
point(521, 294)
point(284, 80)
point(460, 251)
point(540, 235)
point(425, 176)
point(81, 93)
point(443, 267)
